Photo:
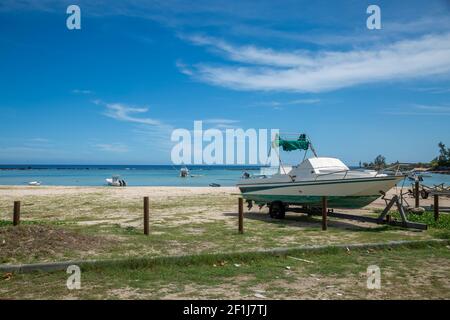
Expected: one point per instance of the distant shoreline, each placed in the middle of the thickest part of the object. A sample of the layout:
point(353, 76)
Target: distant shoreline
point(440, 171)
point(126, 167)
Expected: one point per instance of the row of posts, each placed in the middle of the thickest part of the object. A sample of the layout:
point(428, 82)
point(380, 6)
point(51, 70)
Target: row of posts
point(16, 214)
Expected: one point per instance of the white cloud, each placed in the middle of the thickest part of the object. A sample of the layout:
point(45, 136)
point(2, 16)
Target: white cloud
point(422, 110)
point(253, 55)
point(79, 91)
point(112, 147)
point(220, 121)
point(432, 108)
point(305, 71)
point(40, 140)
point(183, 68)
point(432, 90)
point(287, 103)
point(123, 112)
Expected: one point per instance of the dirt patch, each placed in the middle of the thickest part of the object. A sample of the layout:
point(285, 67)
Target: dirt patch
point(40, 242)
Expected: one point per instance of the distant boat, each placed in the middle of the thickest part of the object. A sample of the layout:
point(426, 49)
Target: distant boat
point(34, 183)
point(216, 185)
point(184, 172)
point(415, 176)
point(419, 173)
point(115, 181)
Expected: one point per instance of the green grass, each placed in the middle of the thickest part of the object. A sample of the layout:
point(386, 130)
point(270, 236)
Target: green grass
point(428, 218)
point(406, 273)
point(203, 228)
point(185, 225)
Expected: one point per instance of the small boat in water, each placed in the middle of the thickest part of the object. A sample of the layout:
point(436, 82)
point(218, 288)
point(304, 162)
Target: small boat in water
point(115, 181)
point(418, 174)
point(314, 178)
point(215, 185)
point(184, 172)
point(414, 176)
point(34, 183)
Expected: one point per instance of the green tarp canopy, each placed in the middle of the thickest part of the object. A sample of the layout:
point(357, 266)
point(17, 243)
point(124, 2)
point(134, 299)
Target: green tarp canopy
point(301, 143)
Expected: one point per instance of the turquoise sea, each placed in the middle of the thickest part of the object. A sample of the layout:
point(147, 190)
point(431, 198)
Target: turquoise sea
point(141, 175)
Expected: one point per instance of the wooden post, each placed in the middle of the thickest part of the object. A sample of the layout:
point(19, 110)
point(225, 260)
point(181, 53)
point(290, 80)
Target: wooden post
point(241, 215)
point(388, 218)
point(324, 213)
point(417, 193)
point(436, 207)
point(146, 216)
point(16, 215)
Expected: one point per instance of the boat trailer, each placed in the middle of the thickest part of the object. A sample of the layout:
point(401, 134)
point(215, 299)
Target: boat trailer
point(384, 218)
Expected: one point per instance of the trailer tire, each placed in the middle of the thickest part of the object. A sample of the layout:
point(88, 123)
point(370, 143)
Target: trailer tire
point(424, 194)
point(277, 210)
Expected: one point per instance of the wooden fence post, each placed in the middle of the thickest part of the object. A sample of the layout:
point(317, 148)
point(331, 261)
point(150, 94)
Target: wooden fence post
point(16, 215)
point(146, 216)
point(436, 207)
point(417, 192)
point(324, 213)
point(241, 215)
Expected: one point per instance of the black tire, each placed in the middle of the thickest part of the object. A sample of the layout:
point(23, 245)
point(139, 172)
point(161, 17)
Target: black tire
point(277, 210)
point(424, 194)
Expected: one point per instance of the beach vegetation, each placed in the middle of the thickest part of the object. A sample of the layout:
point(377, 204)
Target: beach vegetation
point(442, 161)
point(406, 272)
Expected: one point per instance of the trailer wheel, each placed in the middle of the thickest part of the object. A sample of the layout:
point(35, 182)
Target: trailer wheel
point(277, 210)
point(424, 194)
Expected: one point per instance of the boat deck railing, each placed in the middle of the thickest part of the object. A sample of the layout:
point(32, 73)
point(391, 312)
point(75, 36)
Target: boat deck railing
point(385, 171)
point(397, 172)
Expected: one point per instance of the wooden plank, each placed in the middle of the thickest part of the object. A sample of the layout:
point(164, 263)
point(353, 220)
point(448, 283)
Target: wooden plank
point(387, 208)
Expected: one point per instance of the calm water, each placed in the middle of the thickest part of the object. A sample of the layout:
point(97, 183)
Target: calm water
point(82, 175)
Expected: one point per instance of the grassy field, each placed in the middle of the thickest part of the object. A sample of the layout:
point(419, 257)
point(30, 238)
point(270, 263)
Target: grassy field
point(406, 273)
point(99, 224)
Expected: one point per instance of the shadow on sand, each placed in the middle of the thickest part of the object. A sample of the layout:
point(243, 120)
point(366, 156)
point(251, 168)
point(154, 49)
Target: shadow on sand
point(309, 223)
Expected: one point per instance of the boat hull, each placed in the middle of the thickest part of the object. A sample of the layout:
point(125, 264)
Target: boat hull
point(344, 193)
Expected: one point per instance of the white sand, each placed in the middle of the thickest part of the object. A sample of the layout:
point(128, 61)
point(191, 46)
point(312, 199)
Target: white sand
point(19, 192)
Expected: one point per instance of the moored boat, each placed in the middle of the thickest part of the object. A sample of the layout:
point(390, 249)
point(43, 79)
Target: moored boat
point(184, 172)
point(115, 181)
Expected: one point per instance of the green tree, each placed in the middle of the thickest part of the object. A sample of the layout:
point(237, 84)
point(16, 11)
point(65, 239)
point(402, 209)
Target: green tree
point(443, 160)
point(379, 162)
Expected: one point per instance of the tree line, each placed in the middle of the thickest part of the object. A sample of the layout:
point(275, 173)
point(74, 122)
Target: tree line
point(441, 162)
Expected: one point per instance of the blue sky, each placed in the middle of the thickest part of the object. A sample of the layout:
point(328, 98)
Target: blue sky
point(113, 91)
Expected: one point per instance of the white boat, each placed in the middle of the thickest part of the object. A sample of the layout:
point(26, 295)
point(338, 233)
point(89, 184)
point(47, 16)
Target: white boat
point(418, 174)
point(115, 181)
point(34, 183)
point(184, 172)
point(414, 176)
point(314, 178)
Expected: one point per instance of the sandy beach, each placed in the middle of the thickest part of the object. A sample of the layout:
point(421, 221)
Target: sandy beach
point(162, 193)
point(85, 223)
